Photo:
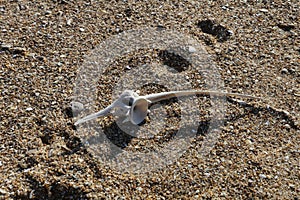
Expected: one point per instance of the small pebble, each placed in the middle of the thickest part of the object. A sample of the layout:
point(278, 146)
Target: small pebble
point(127, 67)
point(77, 106)
point(5, 47)
point(262, 176)
point(284, 70)
point(248, 142)
point(29, 109)
point(2, 191)
point(69, 22)
point(287, 126)
point(206, 174)
point(192, 49)
point(263, 10)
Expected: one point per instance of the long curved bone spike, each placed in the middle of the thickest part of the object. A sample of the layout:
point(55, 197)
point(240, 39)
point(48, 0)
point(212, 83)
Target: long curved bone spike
point(167, 95)
point(95, 115)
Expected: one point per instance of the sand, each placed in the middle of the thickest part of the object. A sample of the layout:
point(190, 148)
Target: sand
point(255, 47)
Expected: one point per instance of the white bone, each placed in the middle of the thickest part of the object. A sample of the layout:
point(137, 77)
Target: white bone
point(126, 120)
point(95, 115)
point(138, 110)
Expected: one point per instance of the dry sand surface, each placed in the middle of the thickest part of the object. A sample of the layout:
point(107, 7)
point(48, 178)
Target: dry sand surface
point(255, 46)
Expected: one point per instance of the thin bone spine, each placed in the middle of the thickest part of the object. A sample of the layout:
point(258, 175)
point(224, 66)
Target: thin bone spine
point(95, 115)
point(167, 95)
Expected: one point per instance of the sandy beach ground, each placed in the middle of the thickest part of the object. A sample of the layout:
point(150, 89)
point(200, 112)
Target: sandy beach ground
point(255, 46)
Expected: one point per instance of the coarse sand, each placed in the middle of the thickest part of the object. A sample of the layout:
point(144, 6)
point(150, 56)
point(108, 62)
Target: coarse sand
point(255, 46)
